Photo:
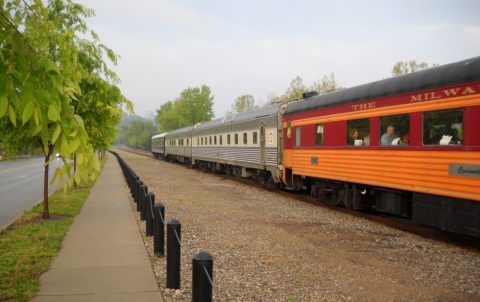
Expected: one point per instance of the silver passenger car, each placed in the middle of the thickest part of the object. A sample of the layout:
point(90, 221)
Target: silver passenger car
point(178, 145)
point(158, 145)
point(247, 144)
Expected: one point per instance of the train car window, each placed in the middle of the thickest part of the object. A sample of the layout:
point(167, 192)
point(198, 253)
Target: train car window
point(358, 132)
point(236, 138)
point(215, 140)
point(289, 128)
point(188, 142)
point(228, 139)
point(202, 141)
point(210, 140)
point(198, 141)
point(220, 139)
point(245, 138)
point(297, 136)
point(255, 137)
point(443, 128)
point(319, 135)
point(395, 130)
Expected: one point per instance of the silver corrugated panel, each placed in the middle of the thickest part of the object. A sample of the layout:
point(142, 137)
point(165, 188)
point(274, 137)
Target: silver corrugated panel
point(178, 150)
point(247, 155)
point(271, 156)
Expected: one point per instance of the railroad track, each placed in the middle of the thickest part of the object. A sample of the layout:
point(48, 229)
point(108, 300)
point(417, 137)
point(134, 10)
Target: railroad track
point(393, 221)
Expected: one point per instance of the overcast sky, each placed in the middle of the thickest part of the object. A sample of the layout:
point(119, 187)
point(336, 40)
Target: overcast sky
point(257, 47)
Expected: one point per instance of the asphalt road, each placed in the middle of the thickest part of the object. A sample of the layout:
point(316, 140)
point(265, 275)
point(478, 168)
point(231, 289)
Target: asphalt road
point(21, 186)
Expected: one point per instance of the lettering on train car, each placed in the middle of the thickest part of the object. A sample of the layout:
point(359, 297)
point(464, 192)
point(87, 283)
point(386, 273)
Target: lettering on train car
point(363, 106)
point(464, 170)
point(441, 94)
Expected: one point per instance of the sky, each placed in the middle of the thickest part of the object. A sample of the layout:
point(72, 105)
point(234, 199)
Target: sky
point(258, 47)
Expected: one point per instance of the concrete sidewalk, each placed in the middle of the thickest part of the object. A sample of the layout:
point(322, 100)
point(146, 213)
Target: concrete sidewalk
point(102, 257)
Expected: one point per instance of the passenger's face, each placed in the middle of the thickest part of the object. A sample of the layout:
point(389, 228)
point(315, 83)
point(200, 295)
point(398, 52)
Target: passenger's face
point(355, 134)
point(391, 130)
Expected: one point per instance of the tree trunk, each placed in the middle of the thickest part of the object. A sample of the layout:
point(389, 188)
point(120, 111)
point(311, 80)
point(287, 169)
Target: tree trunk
point(74, 169)
point(46, 213)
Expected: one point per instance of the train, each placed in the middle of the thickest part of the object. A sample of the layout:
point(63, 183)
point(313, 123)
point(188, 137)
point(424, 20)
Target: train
point(407, 146)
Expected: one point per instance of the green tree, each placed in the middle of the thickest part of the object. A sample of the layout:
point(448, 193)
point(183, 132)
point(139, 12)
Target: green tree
point(145, 140)
point(40, 84)
point(142, 132)
point(295, 90)
point(325, 85)
point(195, 105)
point(168, 118)
point(401, 67)
point(243, 103)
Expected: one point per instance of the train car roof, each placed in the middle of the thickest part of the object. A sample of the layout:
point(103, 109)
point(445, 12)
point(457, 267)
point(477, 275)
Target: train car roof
point(450, 74)
point(180, 131)
point(271, 110)
point(159, 135)
point(210, 124)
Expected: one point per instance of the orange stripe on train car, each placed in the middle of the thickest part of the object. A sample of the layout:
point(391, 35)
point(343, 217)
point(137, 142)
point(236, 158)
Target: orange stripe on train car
point(419, 171)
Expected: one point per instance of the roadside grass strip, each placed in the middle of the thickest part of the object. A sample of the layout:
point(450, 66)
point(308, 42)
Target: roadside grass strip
point(31, 243)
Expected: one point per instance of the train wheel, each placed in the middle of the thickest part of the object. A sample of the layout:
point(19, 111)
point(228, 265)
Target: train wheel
point(270, 183)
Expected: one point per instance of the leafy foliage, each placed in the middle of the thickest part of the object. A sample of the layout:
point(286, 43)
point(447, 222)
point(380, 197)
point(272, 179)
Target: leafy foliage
point(243, 103)
point(325, 85)
point(195, 105)
point(52, 93)
point(138, 135)
point(401, 67)
point(296, 89)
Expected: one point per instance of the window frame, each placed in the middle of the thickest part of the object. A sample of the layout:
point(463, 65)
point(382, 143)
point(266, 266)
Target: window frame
point(316, 134)
point(298, 136)
point(443, 119)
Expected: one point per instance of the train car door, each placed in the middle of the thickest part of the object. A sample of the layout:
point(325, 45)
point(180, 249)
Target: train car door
point(262, 143)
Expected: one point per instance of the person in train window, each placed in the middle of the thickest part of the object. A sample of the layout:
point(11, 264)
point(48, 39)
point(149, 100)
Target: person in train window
point(429, 136)
point(406, 139)
point(352, 137)
point(455, 140)
point(390, 137)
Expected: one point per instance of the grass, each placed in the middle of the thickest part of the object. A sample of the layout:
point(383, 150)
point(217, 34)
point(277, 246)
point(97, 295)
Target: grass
point(28, 247)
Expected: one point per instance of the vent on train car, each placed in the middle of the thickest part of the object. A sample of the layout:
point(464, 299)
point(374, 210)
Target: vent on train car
point(310, 94)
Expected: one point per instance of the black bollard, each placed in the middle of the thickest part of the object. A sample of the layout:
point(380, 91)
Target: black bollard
point(201, 286)
point(137, 194)
point(136, 179)
point(143, 202)
point(149, 213)
point(173, 254)
point(159, 229)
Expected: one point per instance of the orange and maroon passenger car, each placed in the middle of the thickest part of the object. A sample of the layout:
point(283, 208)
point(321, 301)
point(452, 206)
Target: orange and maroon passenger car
point(408, 145)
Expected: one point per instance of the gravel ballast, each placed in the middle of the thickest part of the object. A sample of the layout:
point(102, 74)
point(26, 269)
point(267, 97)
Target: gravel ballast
point(268, 247)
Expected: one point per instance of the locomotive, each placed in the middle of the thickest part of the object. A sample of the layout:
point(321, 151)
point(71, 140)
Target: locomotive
point(408, 146)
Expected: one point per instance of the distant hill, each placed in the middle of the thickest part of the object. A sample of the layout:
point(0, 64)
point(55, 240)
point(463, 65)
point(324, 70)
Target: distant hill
point(128, 118)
